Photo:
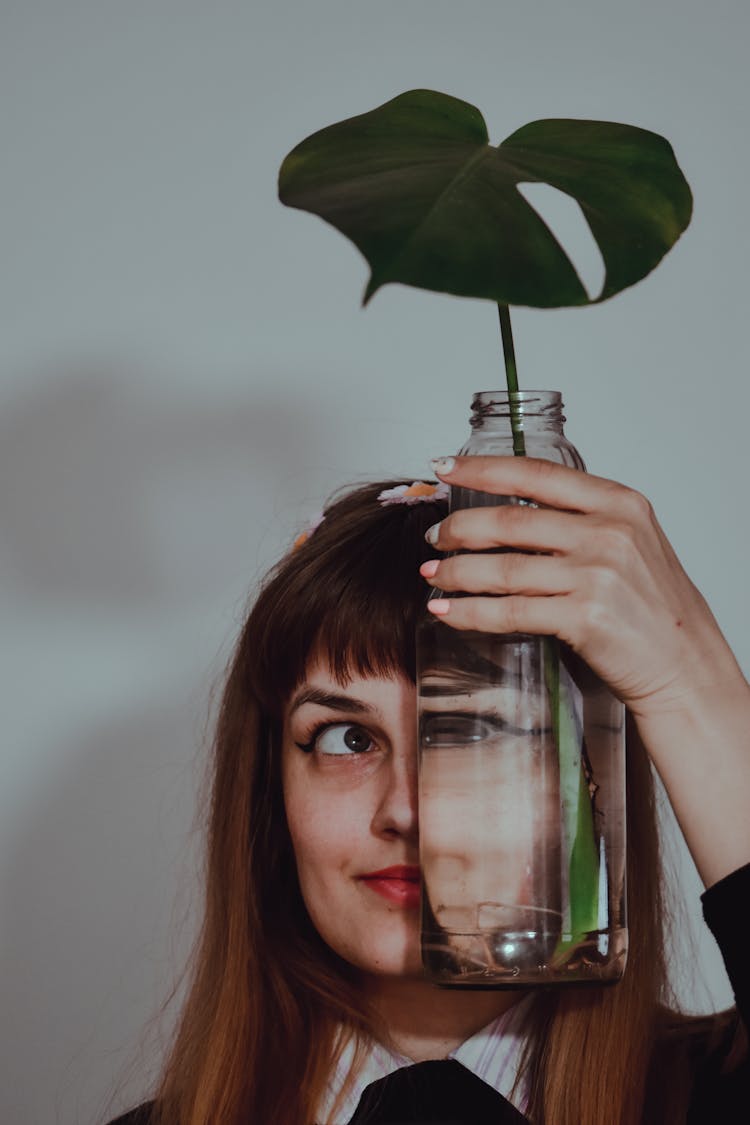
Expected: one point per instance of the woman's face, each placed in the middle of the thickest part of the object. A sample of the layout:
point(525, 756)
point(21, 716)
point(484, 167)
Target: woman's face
point(350, 791)
point(349, 773)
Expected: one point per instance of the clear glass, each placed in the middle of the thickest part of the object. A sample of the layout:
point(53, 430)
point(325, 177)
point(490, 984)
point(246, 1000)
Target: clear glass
point(521, 779)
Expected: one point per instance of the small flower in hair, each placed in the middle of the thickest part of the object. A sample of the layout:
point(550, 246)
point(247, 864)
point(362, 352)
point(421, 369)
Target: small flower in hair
point(304, 535)
point(416, 493)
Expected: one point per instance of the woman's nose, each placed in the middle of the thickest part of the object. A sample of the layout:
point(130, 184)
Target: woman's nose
point(396, 812)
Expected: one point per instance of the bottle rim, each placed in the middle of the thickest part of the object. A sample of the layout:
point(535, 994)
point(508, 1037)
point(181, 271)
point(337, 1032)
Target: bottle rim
point(542, 404)
point(547, 397)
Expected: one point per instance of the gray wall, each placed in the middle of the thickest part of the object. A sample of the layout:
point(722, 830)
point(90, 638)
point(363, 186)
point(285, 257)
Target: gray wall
point(187, 373)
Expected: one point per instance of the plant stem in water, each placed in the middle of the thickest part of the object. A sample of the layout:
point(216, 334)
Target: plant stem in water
point(511, 378)
point(579, 834)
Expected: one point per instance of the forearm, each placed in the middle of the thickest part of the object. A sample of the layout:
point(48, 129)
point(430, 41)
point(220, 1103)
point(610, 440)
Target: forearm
point(701, 750)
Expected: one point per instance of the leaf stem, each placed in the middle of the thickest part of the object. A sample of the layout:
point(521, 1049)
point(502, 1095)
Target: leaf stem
point(511, 378)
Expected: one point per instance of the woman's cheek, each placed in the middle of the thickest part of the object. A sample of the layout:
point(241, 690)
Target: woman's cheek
point(479, 820)
point(323, 832)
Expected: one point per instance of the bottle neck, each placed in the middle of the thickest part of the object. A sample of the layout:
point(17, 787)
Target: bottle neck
point(532, 411)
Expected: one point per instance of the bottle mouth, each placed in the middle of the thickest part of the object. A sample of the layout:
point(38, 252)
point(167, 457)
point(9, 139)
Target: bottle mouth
point(535, 404)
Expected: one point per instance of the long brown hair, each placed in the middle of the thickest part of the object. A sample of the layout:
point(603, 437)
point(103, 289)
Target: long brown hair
point(258, 1032)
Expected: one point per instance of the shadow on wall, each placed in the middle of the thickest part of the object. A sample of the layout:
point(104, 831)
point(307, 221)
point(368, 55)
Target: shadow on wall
point(141, 518)
point(118, 495)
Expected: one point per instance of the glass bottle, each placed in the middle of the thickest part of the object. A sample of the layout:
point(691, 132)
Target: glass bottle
point(521, 777)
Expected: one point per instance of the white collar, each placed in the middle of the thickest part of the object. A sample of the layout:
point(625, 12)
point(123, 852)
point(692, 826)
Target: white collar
point(492, 1054)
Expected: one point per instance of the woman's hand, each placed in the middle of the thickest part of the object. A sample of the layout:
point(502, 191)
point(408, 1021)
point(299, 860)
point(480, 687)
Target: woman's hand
point(592, 566)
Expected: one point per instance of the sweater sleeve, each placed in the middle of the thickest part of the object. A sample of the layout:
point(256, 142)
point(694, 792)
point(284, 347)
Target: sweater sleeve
point(139, 1116)
point(726, 908)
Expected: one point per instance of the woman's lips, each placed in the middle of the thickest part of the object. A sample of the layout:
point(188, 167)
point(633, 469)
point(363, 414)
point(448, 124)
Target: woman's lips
point(399, 885)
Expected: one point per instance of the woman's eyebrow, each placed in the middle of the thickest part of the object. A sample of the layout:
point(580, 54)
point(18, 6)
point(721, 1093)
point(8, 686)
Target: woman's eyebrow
point(457, 682)
point(334, 700)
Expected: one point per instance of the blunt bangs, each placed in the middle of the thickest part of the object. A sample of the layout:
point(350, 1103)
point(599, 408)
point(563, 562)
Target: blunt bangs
point(351, 595)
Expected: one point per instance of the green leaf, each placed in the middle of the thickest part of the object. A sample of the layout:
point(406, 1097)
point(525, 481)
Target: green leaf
point(584, 865)
point(430, 203)
point(580, 850)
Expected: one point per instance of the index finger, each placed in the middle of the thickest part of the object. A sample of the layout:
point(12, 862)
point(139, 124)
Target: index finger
point(545, 482)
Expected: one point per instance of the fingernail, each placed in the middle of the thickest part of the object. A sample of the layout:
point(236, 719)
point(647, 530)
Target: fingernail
point(443, 465)
point(433, 534)
point(439, 606)
point(429, 569)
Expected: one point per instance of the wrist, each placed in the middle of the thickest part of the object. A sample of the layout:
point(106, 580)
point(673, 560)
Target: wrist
point(711, 687)
point(700, 747)
point(705, 707)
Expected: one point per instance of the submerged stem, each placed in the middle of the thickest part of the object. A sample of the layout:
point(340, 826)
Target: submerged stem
point(511, 378)
point(581, 849)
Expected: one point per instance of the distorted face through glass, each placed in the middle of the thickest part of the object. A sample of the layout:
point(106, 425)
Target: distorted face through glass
point(488, 801)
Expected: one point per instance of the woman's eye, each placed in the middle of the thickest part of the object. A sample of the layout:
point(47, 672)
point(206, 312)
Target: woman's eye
point(456, 729)
point(343, 739)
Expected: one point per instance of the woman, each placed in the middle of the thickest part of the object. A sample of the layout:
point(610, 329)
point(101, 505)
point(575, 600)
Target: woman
point(307, 981)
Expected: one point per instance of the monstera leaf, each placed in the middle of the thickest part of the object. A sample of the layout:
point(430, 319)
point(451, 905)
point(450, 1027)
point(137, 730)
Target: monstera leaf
point(417, 187)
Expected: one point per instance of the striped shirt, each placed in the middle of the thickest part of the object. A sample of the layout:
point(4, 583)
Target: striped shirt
point(492, 1054)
